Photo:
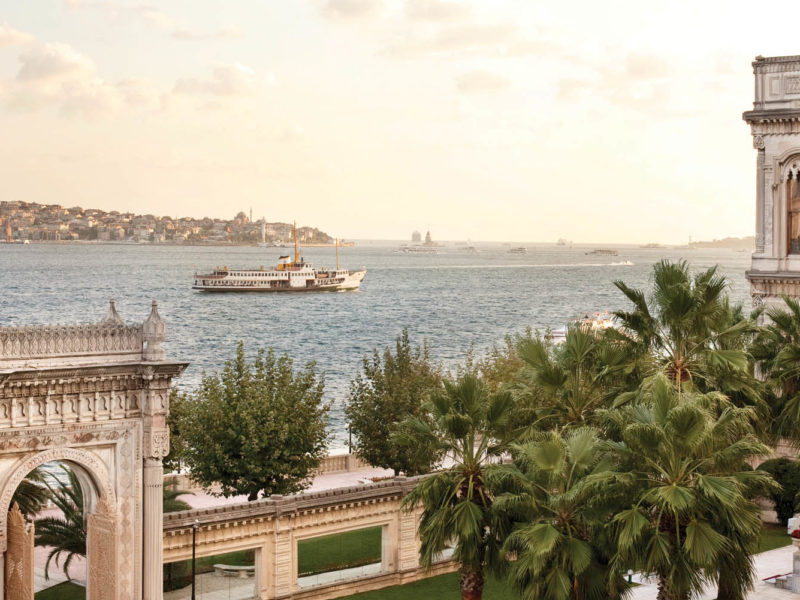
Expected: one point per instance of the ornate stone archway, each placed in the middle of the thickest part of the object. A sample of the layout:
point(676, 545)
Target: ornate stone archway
point(95, 396)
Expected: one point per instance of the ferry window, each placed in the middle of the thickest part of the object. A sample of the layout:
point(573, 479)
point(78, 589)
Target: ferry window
point(793, 203)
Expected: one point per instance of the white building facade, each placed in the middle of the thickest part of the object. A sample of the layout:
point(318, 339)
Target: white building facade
point(775, 127)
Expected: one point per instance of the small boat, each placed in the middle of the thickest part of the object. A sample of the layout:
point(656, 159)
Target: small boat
point(603, 252)
point(518, 250)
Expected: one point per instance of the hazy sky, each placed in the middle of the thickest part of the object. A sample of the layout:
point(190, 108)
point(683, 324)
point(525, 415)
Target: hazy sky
point(489, 119)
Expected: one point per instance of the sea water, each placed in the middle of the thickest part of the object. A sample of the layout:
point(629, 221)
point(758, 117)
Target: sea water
point(453, 299)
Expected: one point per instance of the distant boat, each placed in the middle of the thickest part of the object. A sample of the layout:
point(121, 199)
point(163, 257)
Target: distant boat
point(417, 250)
point(652, 245)
point(518, 250)
point(603, 252)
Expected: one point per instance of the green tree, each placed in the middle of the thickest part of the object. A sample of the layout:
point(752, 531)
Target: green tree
point(787, 475)
point(777, 352)
point(256, 428)
point(686, 331)
point(172, 501)
point(570, 383)
point(64, 534)
point(685, 470)
point(563, 547)
point(390, 388)
point(471, 427)
point(32, 494)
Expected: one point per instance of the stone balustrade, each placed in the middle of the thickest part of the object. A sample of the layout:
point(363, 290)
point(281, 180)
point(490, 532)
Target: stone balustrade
point(273, 527)
point(108, 341)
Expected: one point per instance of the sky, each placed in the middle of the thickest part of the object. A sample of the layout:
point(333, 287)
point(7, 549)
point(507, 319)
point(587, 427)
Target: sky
point(484, 119)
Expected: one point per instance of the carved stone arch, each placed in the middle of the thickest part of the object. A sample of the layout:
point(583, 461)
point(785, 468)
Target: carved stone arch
point(788, 162)
point(91, 464)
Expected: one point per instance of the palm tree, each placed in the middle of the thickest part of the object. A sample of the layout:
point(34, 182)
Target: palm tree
point(685, 468)
point(65, 534)
point(688, 330)
point(563, 546)
point(32, 494)
point(471, 428)
point(777, 353)
point(571, 382)
point(172, 502)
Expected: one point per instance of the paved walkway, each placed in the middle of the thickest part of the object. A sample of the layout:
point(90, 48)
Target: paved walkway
point(768, 564)
point(321, 482)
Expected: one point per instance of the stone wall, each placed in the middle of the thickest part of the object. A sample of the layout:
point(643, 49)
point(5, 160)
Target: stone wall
point(274, 526)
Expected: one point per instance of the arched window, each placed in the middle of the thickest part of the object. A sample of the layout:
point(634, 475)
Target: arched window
point(793, 208)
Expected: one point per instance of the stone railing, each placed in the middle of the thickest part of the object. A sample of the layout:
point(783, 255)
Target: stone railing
point(109, 340)
point(341, 463)
point(46, 341)
point(274, 526)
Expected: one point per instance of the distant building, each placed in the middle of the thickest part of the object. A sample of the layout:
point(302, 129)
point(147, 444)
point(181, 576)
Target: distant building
point(775, 126)
point(416, 237)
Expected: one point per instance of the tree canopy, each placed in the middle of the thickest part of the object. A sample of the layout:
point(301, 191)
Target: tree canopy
point(256, 428)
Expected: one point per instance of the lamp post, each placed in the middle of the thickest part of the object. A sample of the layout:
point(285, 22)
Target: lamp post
point(194, 545)
point(630, 575)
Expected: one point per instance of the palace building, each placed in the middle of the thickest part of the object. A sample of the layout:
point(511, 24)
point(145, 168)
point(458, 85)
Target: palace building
point(775, 126)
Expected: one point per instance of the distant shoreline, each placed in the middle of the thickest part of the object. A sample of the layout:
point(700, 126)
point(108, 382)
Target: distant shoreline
point(168, 243)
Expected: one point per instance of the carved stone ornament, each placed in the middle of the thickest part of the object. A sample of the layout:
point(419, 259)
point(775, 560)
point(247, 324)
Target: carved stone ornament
point(154, 332)
point(156, 444)
point(758, 142)
point(758, 299)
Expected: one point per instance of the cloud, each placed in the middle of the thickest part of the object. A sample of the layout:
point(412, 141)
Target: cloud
point(225, 80)
point(350, 10)
point(158, 19)
point(52, 61)
point(57, 76)
point(291, 133)
point(180, 30)
point(13, 37)
point(478, 81)
point(454, 39)
point(436, 10)
point(638, 82)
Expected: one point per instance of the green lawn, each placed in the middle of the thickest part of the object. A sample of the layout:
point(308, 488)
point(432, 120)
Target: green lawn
point(62, 591)
point(339, 551)
point(773, 536)
point(441, 587)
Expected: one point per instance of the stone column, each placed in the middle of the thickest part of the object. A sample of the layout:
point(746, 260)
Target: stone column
point(155, 410)
point(758, 143)
point(153, 528)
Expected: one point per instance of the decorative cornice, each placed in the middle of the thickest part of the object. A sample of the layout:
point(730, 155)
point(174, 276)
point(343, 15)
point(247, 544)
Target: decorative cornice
point(275, 506)
point(773, 276)
point(771, 115)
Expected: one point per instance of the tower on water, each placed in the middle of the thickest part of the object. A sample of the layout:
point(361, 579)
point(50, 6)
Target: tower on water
point(775, 126)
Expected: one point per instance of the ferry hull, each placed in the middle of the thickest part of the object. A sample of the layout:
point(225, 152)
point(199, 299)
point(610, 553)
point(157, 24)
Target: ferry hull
point(352, 283)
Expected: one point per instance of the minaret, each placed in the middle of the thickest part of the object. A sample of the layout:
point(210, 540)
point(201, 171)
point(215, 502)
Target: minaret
point(775, 127)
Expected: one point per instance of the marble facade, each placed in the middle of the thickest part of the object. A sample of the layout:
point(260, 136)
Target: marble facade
point(775, 127)
point(96, 397)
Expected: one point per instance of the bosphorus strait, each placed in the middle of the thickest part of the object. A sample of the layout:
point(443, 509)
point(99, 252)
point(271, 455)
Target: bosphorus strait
point(452, 299)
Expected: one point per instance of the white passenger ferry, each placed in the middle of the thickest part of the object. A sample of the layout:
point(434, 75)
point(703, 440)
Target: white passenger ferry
point(287, 276)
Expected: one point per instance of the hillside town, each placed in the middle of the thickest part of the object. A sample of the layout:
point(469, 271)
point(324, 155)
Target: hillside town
point(21, 222)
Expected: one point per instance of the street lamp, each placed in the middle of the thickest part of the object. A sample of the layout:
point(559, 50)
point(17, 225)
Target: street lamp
point(194, 545)
point(630, 575)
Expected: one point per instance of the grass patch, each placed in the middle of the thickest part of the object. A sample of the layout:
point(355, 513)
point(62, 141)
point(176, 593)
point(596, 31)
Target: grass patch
point(178, 575)
point(441, 587)
point(773, 536)
point(63, 591)
point(338, 551)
